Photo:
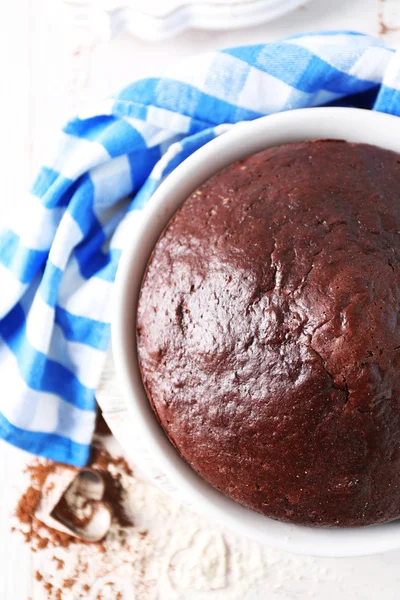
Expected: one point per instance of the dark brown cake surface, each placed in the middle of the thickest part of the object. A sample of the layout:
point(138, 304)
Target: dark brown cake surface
point(268, 333)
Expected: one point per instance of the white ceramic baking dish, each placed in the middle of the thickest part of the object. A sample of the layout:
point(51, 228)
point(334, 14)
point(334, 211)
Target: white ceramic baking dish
point(173, 472)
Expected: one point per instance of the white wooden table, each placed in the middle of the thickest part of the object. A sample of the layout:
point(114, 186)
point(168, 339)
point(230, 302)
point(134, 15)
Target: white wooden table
point(47, 71)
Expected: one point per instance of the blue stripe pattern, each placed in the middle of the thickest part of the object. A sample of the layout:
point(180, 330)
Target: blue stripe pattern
point(55, 306)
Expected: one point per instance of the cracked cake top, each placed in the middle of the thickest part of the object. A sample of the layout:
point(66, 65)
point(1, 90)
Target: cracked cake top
point(268, 334)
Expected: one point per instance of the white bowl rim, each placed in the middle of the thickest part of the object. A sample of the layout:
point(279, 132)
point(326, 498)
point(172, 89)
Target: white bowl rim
point(243, 139)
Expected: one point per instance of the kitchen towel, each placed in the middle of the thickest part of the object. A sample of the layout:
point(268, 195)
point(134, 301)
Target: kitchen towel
point(59, 253)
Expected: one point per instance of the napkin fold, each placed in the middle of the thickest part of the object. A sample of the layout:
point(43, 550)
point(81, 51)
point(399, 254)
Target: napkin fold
point(59, 253)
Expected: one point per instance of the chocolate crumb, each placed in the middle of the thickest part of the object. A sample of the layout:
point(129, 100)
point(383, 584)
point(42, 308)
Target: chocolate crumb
point(66, 514)
point(40, 536)
point(383, 28)
point(60, 563)
point(42, 543)
point(78, 573)
point(68, 583)
point(102, 548)
point(27, 504)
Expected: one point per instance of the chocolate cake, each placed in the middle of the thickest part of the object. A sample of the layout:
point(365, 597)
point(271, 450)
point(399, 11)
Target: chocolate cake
point(268, 333)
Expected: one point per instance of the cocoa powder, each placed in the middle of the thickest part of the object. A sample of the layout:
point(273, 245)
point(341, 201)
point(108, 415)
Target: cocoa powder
point(59, 562)
point(37, 534)
point(27, 504)
point(40, 536)
point(48, 587)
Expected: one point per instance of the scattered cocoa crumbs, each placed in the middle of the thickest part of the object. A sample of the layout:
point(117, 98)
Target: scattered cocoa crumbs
point(60, 563)
point(48, 587)
point(383, 28)
point(42, 543)
point(27, 504)
point(109, 584)
point(38, 535)
point(42, 476)
point(120, 462)
point(84, 568)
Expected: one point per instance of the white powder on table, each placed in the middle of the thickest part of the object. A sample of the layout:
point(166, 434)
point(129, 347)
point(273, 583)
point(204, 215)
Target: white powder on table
point(171, 554)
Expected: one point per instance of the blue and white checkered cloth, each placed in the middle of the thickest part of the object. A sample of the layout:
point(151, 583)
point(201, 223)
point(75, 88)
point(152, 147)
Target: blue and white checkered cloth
point(59, 256)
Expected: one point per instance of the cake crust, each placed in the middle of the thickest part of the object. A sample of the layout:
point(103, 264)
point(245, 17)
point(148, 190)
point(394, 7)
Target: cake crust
point(268, 333)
